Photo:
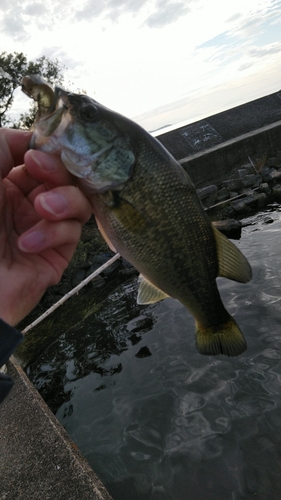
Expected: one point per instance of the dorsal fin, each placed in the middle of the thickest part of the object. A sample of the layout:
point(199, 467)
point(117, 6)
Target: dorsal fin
point(232, 263)
point(149, 293)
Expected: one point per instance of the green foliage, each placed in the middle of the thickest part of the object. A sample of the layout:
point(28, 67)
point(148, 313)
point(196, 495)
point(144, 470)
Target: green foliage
point(12, 68)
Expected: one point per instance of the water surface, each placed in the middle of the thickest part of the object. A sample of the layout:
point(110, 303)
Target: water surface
point(155, 419)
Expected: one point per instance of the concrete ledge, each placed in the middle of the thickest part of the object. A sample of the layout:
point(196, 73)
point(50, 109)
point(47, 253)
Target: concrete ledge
point(215, 164)
point(37, 457)
point(217, 129)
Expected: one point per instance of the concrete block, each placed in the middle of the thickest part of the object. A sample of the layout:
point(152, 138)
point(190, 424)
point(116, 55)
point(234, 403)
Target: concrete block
point(273, 162)
point(241, 172)
point(239, 206)
point(208, 195)
point(223, 194)
point(233, 184)
point(251, 180)
point(264, 188)
point(260, 199)
point(276, 191)
point(230, 227)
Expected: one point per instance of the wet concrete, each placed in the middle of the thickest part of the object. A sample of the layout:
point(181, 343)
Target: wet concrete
point(37, 458)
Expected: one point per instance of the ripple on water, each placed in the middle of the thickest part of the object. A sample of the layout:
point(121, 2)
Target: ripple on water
point(176, 425)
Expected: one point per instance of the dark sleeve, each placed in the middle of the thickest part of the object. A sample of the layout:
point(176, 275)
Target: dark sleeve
point(10, 338)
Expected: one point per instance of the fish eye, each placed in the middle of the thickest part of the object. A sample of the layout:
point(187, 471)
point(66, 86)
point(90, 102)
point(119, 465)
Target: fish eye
point(89, 112)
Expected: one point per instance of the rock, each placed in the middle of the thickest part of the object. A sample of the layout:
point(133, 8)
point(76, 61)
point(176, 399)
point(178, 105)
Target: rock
point(249, 167)
point(144, 352)
point(271, 175)
point(230, 227)
point(264, 188)
point(250, 200)
point(208, 195)
point(276, 191)
point(264, 173)
point(241, 172)
point(65, 288)
point(223, 194)
point(233, 184)
point(273, 162)
point(260, 199)
point(251, 180)
point(239, 206)
point(78, 276)
point(268, 220)
point(109, 270)
point(97, 282)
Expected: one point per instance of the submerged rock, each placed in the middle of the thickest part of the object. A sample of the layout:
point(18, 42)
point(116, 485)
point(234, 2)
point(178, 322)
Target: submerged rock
point(230, 227)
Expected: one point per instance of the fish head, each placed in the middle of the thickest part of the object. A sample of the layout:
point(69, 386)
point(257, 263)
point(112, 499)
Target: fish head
point(92, 140)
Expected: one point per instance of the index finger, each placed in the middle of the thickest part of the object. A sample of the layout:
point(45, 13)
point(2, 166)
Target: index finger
point(48, 168)
point(13, 146)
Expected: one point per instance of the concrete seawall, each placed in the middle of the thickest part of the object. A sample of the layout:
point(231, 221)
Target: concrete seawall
point(37, 458)
point(212, 148)
point(216, 163)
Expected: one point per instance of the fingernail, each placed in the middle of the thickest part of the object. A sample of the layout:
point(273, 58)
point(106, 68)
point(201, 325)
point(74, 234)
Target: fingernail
point(47, 164)
point(31, 242)
point(54, 203)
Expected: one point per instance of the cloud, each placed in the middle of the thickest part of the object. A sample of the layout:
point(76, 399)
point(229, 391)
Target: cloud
point(17, 17)
point(249, 38)
point(252, 25)
point(13, 26)
point(35, 9)
point(259, 52)
point(89, 11)
point(111, 9)
point(245, 66)
point(166, 13)
point(160, 12)
point(217, 41)
point(234, 17)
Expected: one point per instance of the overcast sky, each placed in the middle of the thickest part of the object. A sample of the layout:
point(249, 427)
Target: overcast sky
point(158, 61)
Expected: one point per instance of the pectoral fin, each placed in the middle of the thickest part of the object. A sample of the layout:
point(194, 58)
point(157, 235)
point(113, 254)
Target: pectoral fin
point(105, 237)
point(232, 263)
point(148, 293)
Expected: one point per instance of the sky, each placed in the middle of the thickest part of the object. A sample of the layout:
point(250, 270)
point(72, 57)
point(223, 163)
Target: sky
point(159, 62)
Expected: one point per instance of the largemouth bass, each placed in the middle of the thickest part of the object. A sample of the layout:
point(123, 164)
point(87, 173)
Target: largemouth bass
point(146, 208)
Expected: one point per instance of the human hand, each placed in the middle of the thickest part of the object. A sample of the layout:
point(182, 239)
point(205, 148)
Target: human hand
point(41, 215)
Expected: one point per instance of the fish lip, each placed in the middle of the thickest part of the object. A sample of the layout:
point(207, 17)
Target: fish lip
point(45, 131)
point(59, 93)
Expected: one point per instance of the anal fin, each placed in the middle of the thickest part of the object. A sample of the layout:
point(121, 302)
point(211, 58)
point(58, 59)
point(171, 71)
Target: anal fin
point(149, 293)
point(232, 263)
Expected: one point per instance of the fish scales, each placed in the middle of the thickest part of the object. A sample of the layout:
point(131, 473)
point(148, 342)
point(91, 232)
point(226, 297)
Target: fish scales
point(167, 247)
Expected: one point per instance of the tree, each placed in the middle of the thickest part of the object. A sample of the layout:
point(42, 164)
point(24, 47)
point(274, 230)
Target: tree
point(12, 68)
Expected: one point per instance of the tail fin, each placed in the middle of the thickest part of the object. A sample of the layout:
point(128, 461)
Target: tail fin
point(223, 339)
